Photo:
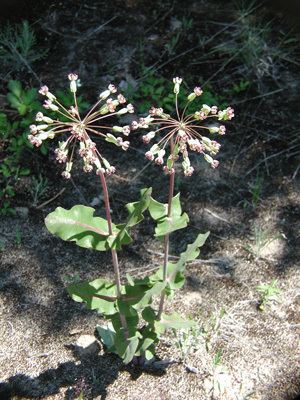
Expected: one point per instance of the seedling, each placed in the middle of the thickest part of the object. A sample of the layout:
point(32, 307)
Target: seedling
point(269, 293)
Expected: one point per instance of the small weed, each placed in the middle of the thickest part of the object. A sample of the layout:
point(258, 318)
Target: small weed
point(217, 358)
point(18, 48)
point(187, 340)
point(255, 189)
point(13, 141)
point(262, 238)
point(40, 185)
point(269, 292)
point(70, 279)
point(18, 236)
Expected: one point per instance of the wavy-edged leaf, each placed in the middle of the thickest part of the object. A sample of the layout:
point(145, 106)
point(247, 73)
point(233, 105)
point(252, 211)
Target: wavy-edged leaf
point(165, 224)
point(192, 251)
point(98, 295)
point(135, 216)
point(79, 225)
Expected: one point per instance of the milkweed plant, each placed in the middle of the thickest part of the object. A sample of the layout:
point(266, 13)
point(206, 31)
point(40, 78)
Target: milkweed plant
point(135, 320)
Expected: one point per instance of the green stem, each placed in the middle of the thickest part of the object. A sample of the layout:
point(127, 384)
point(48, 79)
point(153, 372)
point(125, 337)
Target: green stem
point(113, 252)
point(167, 237)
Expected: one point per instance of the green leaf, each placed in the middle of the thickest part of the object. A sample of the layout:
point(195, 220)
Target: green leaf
point(149, 314)
point(79, 225)
point(135, 216)
point(173, 321)
point(15, 87)
point(155, 290)
point(192, 251)
point(108, 337)
point(165, 224)
point(157, 210)
point(98, 295)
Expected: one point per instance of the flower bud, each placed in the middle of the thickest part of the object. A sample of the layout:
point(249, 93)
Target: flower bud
point(117, 129)
point(177, 82)
point(122, 111)
point(213, 129)
point(104, 95)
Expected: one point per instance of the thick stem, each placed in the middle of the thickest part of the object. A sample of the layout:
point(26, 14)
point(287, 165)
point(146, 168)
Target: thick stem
point(167, 238)
point(113, 251)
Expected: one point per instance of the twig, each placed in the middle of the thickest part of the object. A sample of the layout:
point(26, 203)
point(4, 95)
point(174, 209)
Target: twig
point(259, 96)
point(52, 198)
point(268, 158)
point(296, 172)
point(96, 30)
point(216, 216)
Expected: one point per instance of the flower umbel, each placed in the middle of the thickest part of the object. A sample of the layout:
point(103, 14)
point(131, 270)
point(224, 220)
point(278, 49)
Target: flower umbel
point(182, 133)
point(74, 128)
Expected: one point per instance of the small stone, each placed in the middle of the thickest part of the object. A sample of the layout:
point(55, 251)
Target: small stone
point(22, 212)
point(87, 345)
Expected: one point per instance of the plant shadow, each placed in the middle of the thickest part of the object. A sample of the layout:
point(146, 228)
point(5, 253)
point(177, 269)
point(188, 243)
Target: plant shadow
point(89, 375)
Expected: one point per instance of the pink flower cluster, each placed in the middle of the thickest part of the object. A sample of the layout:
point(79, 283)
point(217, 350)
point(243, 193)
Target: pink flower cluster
point(182, 133)
point(74, 128)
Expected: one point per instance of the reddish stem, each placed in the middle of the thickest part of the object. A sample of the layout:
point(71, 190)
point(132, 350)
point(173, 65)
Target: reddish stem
point(113, 251)
point(167, 237)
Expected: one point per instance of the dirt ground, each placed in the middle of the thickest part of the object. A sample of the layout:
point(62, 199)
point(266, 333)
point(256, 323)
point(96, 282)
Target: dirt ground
point(238, 352)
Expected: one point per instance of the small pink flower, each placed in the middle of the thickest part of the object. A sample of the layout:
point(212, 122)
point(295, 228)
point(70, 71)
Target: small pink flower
point(61, 155)
point(39, 117)
point(66, 174)
point(126, 130)
point(121, 99)
point(110, 170)
point(152, 111)
point(149, 156)
point(130, 108)
point(177, 80)
point(230, 112)
point(215, 163)
point(87, 168)
point(100, 171)
point(168, 171)
point(110, 105)
point(188, 171)
point(222, 130)
point(214, 110)
point(73, 77)
point(44, 90)
point(198, 91)
point(33, 128)
point(112, 88)
point(159, 161)
point(146, 139)
point(134, 125)
point(34, 140)
point(125, 145)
